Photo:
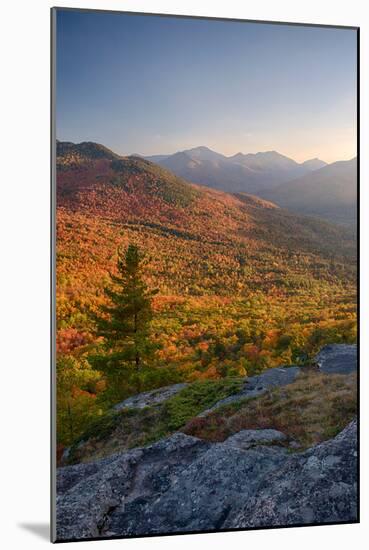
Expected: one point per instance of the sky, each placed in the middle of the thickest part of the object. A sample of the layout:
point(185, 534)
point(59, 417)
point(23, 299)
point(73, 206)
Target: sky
point(157, 85)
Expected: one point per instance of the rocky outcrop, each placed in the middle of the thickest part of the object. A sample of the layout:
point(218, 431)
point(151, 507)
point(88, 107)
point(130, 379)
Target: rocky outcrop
point(149, 398)
point(337, 359)
point(254, 478)
point(318, 486)
point(89, 495)
point(259, 384)
point(332, 359)
point(184, 484)
point(203, 494)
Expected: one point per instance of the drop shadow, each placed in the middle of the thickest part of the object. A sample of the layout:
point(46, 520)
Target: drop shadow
point(42, 530)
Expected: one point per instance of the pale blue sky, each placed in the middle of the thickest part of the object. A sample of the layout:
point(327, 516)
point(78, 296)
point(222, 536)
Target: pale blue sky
point(141, 84)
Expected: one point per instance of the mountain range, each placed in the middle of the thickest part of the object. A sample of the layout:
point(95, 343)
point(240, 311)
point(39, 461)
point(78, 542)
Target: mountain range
point(248, 173)
point(312, 187)
point(329, 192)
point(132, 190)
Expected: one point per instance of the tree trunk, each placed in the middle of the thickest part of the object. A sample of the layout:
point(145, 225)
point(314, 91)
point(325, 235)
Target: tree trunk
point(70, 421)
point(137, 353)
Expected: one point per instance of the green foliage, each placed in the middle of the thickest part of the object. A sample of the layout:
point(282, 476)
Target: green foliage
point(128, 428)
point(125, 324)
point(76, 397)
point(196, 398)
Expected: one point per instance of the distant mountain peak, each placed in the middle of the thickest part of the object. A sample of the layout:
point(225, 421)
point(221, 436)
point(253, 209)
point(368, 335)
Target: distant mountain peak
point(267, 154)
point(203, 153)
point(314, 164)
point(272, 153)
point(201, 148)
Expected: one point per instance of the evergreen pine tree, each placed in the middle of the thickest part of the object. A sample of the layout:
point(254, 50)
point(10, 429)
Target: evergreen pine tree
point(125, 323)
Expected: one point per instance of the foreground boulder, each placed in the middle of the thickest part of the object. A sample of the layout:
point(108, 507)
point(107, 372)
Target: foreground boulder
point(89, 493)
point(184, 484)
point(337, 359)
point(203, 494)
point(318, 486)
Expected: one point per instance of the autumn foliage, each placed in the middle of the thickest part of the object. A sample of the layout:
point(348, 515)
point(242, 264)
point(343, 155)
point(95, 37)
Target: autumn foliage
point(242, 285)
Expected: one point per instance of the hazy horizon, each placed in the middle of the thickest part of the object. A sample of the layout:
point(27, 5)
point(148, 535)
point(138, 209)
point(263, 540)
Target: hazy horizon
point(158, 85)
point(165, 154)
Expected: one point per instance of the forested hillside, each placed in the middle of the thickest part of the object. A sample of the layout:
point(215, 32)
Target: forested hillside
point(241, 285)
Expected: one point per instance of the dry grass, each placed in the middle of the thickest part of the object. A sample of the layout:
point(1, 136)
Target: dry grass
point(312, 409)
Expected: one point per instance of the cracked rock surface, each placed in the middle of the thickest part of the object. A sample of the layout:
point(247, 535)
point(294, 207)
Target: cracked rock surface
point(182, 483)
point(317, 486)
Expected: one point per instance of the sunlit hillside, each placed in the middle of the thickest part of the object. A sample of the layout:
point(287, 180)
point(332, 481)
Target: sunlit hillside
point(242, 284)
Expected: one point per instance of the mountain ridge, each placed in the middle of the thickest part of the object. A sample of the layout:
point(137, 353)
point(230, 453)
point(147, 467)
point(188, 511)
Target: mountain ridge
point(101, 170)
point(329, 192)
point(250, 173)
point(216, 244)
point(208, 151)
